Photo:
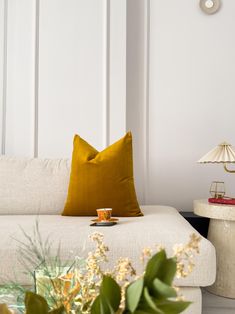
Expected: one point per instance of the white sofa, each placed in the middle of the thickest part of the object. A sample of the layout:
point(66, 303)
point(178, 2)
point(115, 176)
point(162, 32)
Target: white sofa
point(33, 189)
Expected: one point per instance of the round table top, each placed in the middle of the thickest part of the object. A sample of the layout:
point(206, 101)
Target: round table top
point(216, 211)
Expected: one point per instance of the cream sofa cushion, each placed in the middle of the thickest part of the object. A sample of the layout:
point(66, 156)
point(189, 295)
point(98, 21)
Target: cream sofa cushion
point(159, 225)
point(33, 186)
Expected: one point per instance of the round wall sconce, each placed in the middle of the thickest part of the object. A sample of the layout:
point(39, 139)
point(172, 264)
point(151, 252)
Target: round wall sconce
point(210, 6)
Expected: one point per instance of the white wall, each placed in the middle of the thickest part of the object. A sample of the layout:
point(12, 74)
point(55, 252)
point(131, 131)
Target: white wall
point(163, 69)
point(136, 89)
point(59, 74)
point(2, 69)
point(191, 98)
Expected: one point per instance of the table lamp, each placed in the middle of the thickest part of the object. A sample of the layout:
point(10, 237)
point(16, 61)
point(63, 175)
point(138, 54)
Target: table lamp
point(224, 154)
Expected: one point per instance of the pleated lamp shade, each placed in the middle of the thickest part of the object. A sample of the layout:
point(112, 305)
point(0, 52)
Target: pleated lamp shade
point(223, 153)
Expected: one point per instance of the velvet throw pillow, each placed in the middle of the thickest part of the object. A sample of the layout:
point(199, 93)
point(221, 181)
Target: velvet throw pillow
point(102, 180)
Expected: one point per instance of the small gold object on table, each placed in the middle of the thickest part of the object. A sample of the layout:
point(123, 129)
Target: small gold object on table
point(217, 189)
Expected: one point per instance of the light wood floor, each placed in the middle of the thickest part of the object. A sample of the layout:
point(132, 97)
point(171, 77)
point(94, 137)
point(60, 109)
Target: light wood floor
point(212, 304)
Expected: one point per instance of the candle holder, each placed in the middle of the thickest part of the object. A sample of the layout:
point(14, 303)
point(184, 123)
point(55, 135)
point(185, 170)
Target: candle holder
point(217, 189)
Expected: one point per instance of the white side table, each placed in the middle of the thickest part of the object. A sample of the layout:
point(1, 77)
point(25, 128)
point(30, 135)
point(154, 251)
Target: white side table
point(222, 236)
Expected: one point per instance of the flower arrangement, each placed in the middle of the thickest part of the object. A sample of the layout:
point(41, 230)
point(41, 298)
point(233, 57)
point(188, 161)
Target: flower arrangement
point(85, 287)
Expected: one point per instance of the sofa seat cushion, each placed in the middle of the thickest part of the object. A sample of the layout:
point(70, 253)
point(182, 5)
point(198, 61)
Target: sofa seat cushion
point(159, 225)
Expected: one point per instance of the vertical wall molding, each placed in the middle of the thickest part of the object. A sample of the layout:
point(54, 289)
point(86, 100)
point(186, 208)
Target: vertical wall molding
point(111, 60)
point(146, 100)
point(36, 79)
point(4, 89)
point(117, 69)
point(106, 73)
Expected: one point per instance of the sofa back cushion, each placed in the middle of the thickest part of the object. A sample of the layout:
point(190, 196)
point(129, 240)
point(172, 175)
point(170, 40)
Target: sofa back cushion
point(33, 186)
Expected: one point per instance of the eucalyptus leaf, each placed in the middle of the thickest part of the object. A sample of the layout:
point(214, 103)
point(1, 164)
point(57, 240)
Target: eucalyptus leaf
point(150, 302)
point(173, 307)
point(35, 304)
point(60, 310)
point(95, 309)
point(133, 294)
point(163, 290)
point(100, 306)
point(109, 299)
point(111, 291)
point(145, 310)
point(153, 267)
point(105, 308)
point(168, 271)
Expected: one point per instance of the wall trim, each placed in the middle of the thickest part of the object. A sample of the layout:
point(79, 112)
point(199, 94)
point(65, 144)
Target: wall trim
point(117, 70)
point(36, 79)
point(106, 73)
point(4, 87)
point(146, 100)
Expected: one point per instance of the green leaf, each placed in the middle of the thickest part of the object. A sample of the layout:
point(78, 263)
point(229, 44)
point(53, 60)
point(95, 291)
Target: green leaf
point(173, 307)
point(111, 292)
point(105, 307)
point(163, 290)
point(133, 294)
point(150, 302)
point(35, 304)
point(101, 306)
point(109, 299)
point(168, 271)
point(145, 310)
point(95, 309)
point(153, 267)
point(60, 310)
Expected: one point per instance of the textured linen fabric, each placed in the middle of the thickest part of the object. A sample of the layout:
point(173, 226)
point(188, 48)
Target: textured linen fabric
point(102, 180)
point(195, 296)
point(159, 225)
point(33, 186)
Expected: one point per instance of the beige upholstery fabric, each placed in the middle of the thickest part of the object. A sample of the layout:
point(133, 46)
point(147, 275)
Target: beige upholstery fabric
point(195, 296)
point(159, 225)
point(33, 186)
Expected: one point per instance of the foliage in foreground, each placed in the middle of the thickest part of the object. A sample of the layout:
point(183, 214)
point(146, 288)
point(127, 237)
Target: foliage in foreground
point(86, 288)
point(151, 293)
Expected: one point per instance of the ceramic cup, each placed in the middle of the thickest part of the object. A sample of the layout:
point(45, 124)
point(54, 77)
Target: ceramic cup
point(104, 214)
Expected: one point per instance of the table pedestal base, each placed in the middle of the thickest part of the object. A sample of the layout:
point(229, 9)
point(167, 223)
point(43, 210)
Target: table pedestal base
point(222, 235)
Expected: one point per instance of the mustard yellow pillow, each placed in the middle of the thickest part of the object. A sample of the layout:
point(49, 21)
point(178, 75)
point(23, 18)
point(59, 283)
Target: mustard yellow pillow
point(102, 179)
